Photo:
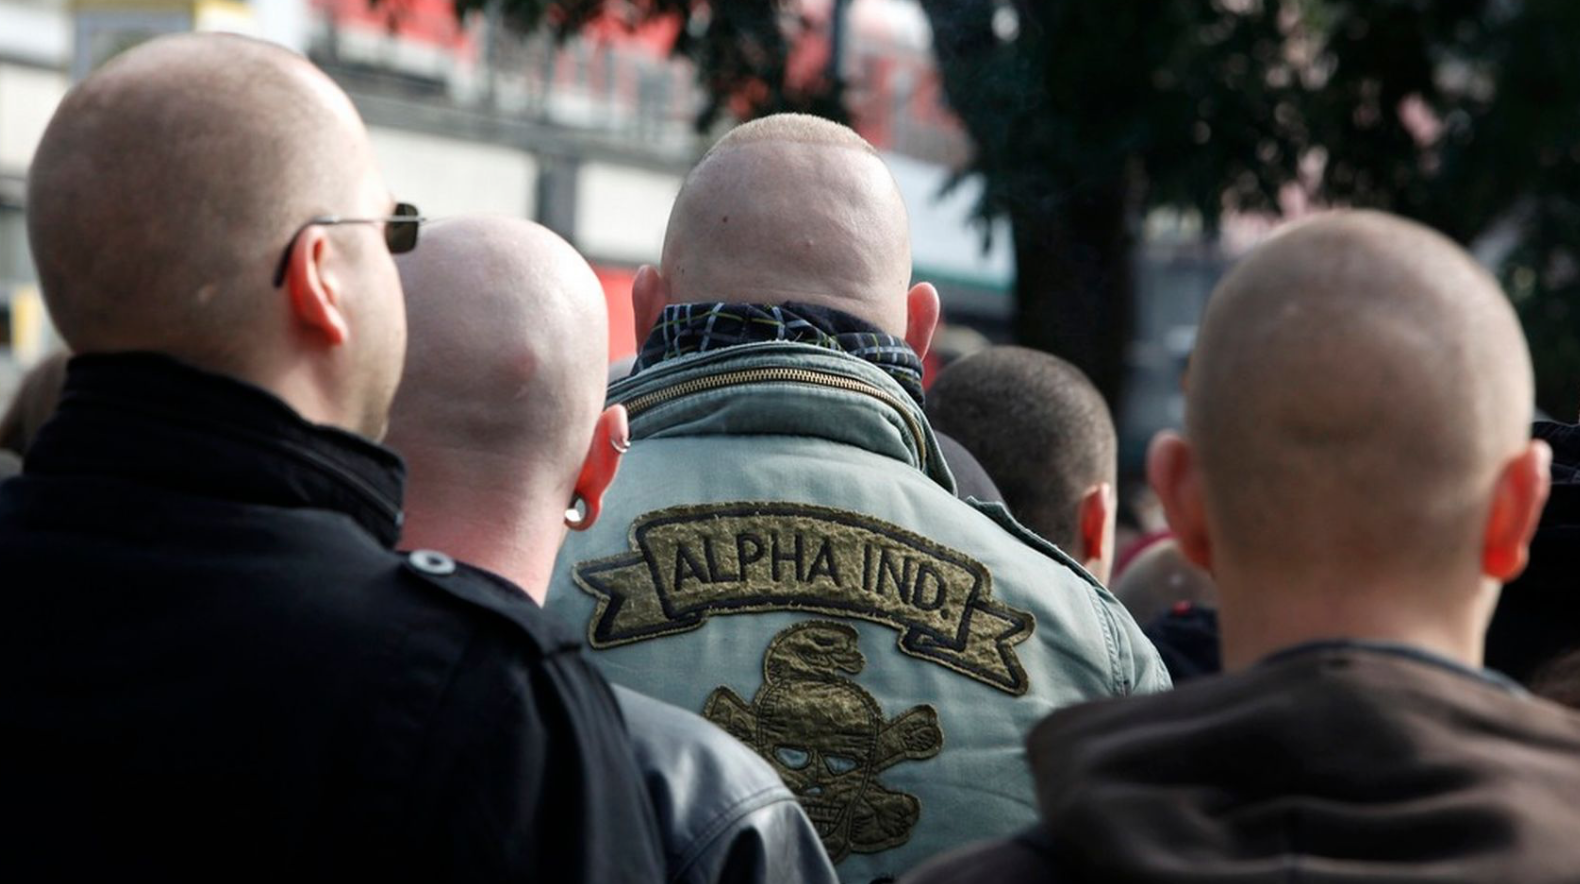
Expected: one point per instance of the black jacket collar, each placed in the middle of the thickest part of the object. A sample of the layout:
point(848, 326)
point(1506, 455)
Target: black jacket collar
point(147, 418)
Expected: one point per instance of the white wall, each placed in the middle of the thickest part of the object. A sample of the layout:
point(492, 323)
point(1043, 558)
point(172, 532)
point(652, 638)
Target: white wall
point(28, 97)
point(287, 22)
point(36, 32)
point(621, 211)
point(447, 176)
point(943, 239)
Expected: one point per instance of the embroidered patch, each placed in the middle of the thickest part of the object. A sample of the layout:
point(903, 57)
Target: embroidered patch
point(828, 739)
point(691, 562)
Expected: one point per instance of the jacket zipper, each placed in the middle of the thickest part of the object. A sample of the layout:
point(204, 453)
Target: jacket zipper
point(637, 404)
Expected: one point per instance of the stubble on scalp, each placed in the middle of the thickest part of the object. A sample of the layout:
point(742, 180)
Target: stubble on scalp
point(792, 208)
point(1357, 383)
point(168, 183)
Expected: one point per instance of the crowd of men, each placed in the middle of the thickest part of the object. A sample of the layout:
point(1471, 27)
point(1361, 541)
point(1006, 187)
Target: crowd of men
point(329, 552)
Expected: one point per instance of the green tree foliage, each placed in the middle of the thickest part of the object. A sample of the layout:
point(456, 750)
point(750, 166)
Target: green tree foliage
point(1464, 114)
point(1087, 113)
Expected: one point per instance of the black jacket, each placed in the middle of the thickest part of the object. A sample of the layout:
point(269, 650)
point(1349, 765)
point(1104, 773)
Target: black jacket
point(1329, 764)
point(1538, 615)
point(213, 665)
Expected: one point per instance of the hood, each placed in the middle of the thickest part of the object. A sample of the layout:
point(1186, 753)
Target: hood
point(1336, 764)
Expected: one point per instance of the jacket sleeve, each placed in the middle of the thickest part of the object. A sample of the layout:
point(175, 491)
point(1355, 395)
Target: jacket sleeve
point(773, 844)
point(1148, 674)
point(1152, 676)
point(527, 774)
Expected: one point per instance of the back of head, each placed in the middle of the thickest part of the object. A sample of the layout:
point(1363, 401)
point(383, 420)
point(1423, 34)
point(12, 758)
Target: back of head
point(1358, 384)
point(792, 207)
point(1037, 425)
point(168, 184)
point(505, 364)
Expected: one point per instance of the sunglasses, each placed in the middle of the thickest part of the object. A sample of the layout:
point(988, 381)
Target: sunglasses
point(400, 232)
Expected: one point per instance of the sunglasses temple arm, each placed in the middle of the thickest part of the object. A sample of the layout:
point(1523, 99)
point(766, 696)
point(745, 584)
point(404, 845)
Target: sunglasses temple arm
point(285, 260)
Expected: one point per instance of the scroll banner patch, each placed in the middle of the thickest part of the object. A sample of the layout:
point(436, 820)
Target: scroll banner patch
point(689, 563)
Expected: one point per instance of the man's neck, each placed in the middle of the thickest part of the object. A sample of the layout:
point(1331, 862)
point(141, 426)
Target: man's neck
point(513, 539)
point(303, 387)
point(1261, 617)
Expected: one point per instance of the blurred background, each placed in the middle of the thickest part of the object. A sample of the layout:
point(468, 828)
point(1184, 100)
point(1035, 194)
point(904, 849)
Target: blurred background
point(1078, 172)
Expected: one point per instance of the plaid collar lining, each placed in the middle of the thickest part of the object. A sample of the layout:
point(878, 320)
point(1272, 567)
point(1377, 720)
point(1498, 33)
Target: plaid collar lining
point(698, 328)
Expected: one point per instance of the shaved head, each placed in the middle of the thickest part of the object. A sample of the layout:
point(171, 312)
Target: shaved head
point(168, 184)
point(505, 366)
point(1358, 385)
point(792, 208)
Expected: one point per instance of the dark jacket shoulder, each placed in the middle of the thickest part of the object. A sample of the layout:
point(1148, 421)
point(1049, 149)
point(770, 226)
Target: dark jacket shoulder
point(208, 633)
point(1365, 761)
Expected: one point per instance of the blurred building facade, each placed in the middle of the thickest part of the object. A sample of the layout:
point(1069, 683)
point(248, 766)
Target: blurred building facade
point(591, 137)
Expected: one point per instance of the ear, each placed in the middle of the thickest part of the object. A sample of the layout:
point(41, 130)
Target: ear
point(1175, 479)
point(314, 289)
point(1095, 516)
point(1517, 501)
point(611, 437)
point(649, 295)
point(921, 317)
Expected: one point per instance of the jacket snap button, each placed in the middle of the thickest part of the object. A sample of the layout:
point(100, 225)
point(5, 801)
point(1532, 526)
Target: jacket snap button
point(431, 562)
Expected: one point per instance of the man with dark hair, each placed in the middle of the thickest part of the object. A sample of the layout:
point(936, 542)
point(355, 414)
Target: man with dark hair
point(1357, 472)
point(214, 665)
point(1044, 435)
point(783, 550)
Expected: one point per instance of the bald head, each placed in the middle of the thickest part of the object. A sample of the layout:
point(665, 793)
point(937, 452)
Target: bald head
point(505, 361)
point(1359, 382)
point(169, 182)
point(792, 208)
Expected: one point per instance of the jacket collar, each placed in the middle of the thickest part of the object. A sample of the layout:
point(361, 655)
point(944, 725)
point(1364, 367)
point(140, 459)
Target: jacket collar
point(1397, 649)
point(146, 418)
point(665, 401)
point(716, 325)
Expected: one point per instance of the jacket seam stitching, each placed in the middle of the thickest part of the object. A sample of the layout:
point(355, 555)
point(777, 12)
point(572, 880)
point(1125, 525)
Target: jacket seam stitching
point(1106, 617)
point(1116, 679)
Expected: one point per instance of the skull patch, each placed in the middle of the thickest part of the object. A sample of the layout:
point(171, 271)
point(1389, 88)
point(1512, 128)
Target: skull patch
point(828, 739)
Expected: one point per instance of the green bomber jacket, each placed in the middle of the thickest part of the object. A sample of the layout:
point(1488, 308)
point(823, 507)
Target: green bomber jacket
point(782, 551)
